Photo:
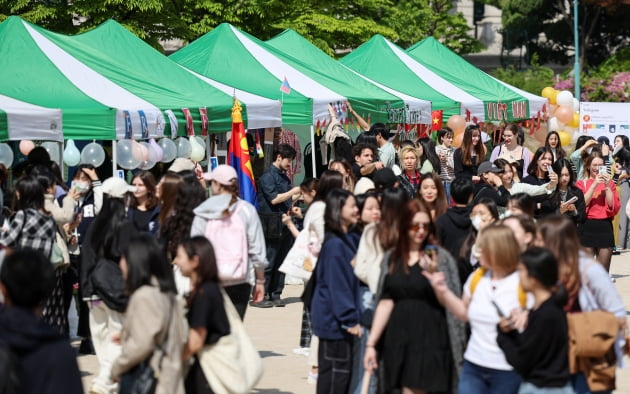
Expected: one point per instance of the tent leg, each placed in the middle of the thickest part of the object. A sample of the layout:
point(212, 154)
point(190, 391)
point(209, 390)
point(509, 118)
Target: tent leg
point(114, 157)
point(313, 151)
point(59, 159)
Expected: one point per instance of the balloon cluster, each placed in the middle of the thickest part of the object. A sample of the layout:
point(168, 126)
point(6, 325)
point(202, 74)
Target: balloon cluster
point(144, 155)
point(564, 114)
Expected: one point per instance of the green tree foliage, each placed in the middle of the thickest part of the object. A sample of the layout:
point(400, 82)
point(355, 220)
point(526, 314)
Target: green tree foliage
point(331, 25)
point(545, 27)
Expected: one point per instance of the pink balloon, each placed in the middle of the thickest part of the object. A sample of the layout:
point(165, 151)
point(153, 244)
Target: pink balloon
point(457, 123)
point(139, 151)
point(564, 114)
point(26, 146)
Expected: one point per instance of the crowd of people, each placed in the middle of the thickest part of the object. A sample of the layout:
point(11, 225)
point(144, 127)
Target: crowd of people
point(426, 268)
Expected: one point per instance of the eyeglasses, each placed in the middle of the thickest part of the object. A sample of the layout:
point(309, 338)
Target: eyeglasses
point(417, 226)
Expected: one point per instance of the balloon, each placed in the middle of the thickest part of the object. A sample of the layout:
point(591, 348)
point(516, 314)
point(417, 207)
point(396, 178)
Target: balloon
point(548, 92)
point(456, 123)
point(553, 124)
point(93, 154)
point(196, 151)
point(53, 150)
point(201, 141)
point(565, 98)
point(138, 151)
point(575, 122)
point(6, 155)
point(26, 146)
point(576, 105)
point(71, 155)
point(183, 147)
point(457, 141)
point(565, 138)
point(169, 149)
point(124, 151)
point(564, 114)
point(157, 151)
point(147, 164)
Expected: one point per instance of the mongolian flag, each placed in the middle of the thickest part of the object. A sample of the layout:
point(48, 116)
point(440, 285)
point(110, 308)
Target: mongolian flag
point(436, 120)
point(238, 156)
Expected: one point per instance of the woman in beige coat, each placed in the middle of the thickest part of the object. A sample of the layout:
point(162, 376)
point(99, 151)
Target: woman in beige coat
point(153, 316)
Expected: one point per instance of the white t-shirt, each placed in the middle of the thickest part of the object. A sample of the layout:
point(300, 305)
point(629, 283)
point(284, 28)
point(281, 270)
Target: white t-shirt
point(482, 348)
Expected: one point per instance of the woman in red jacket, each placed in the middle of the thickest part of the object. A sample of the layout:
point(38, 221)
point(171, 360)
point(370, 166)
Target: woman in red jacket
point(602, 204)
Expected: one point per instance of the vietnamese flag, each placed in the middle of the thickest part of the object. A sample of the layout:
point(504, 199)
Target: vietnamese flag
point(436, 119)
point(238, 156)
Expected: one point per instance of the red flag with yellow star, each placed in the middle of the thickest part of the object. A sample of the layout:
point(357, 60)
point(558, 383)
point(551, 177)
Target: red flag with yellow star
point(436, 119)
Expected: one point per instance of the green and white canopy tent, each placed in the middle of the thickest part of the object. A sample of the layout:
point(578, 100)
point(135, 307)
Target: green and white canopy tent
point(238, 59)
point(501, 101)
point(312, 61)
point(94, 80)
point(20, 120)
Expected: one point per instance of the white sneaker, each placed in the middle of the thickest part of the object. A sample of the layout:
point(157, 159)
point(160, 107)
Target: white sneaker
point(312, 378)
point(304, 351)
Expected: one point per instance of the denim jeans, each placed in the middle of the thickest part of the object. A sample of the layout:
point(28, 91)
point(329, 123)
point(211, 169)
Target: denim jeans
point(476, 379)
point(580, 386)
point(277, 250)
point(529, 388)
point(335, 365)
point(447, 189)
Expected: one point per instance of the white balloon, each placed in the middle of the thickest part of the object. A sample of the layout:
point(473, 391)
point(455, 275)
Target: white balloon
point(197, 152)
point(201, 141)
point(576, 105)
point(93, 153)
point(565, 98)
point(125, 158)
point(183, 147)
point(553, 124)
point(71, 155)
point(53, 150)
point(6, 155)
point(169, 148)
point(158, 152)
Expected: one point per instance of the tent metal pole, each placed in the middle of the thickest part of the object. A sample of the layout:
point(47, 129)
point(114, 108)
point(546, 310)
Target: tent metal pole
point(114, 157)
point(313, 151)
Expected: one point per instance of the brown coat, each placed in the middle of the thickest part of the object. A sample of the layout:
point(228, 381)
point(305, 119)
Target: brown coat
point(143, 331)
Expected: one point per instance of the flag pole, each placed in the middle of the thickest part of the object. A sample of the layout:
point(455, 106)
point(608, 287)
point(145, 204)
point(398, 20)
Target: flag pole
point(313, 151)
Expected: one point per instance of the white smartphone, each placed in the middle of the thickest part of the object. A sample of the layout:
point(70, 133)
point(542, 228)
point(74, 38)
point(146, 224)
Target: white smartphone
point(603, 170)
point(571, 200)
point(550, 169)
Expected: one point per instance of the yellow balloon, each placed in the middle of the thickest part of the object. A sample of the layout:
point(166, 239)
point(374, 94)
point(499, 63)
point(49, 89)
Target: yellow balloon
point(565, 138)
point(547, 92)
point(575, 122)
point(553, 97)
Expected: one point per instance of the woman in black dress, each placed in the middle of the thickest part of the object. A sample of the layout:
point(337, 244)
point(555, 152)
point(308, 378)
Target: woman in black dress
point(206, 312)
point(411, 329)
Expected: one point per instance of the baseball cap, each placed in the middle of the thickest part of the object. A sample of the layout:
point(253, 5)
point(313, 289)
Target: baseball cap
point(487, 166)
point(117, 187)
point(223, 174)
point(384, 178)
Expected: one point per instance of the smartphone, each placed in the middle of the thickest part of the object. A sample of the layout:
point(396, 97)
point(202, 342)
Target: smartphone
point(499, 311)
point(550, 169)
point(571, 200)
point(603, 170)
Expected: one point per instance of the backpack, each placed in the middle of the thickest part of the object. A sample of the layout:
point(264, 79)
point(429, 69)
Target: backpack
point(480, 272)
point(228, 236)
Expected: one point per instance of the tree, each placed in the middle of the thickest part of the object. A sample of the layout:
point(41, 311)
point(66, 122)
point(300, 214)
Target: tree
point(603, 28)
point(334, 26)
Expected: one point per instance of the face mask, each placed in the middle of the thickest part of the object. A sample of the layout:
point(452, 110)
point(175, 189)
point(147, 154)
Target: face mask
point(476, 222)
point(80, 187)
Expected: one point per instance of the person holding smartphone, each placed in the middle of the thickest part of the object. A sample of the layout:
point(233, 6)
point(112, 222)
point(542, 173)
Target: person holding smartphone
point(567, 199)
point(602, 204)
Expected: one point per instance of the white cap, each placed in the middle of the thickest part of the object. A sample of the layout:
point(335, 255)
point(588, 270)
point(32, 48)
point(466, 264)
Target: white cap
point(117, 187)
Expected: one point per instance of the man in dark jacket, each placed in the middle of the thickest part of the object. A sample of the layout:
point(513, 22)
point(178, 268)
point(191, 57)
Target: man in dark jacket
point(43, 360)
point(454, 225)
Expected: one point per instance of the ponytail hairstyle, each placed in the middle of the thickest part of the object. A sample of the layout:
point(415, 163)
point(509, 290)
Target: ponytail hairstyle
point(542, 265)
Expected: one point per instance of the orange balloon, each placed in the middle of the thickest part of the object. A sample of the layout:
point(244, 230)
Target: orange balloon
point(564, 114)
point(457, 123)
point(575, 122)
point(457, 141)
point(565, 138)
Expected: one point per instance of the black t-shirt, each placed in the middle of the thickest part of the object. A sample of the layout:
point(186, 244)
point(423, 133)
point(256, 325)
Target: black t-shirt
point(141, 219)
point(207, 311)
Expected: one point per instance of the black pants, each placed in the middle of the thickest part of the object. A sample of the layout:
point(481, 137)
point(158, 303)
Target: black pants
point(239, 295)
point(277, 250)
point(335, 366)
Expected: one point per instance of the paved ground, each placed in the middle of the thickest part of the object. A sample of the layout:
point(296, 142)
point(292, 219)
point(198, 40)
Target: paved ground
point(276, 331)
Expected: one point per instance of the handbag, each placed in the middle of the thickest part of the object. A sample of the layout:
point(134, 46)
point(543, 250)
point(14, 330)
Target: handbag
point(59, 257)
point(301, 260)
point(232, 365)
point(143, 379)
